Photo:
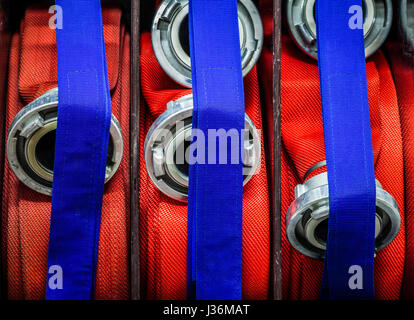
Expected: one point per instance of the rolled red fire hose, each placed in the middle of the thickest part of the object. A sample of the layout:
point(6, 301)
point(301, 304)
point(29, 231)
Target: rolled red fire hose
point(303, 147)
point(164, 220)
point(26, 213)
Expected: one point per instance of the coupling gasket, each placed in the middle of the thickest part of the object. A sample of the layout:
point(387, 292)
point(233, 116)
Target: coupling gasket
point(170, 38)
point(307, 217)
point(31, 140)
point(406, 11)
point(302, 24)
point(170, 136)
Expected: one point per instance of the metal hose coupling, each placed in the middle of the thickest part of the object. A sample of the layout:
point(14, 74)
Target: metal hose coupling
point(170, 40)
point(167, 144)
point(406, 12)
point(377, 16)
point(31, 143)
point(307, 216)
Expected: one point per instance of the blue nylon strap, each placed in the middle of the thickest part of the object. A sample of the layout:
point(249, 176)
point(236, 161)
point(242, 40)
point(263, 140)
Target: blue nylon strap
point(348, 145)
point(82, 137)
point(215, 190)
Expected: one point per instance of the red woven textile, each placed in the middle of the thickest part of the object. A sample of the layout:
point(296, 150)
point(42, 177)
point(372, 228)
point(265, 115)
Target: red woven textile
point(164, 220)
point(303, 146)
point(26, 213)
point(403, 73)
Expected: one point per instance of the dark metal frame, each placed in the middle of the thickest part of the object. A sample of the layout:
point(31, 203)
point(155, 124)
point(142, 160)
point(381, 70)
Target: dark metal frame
point(276, 258)
point(135, 283)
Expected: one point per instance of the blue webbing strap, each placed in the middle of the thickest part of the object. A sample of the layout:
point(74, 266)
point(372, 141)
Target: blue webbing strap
point(216, 190)
point(82, 136)
point(348, 145)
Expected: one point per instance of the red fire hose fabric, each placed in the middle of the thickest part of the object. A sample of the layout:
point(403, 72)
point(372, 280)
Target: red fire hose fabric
point(26, 213)
point(303, 146)
point(403, 73)
point(164, 220)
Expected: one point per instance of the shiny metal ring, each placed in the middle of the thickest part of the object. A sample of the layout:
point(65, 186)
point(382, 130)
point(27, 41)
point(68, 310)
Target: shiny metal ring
point(307, 217)
point(170, 135)
point(170, 40)
point(302, 24)
point(407, 25)
point(31, 141)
